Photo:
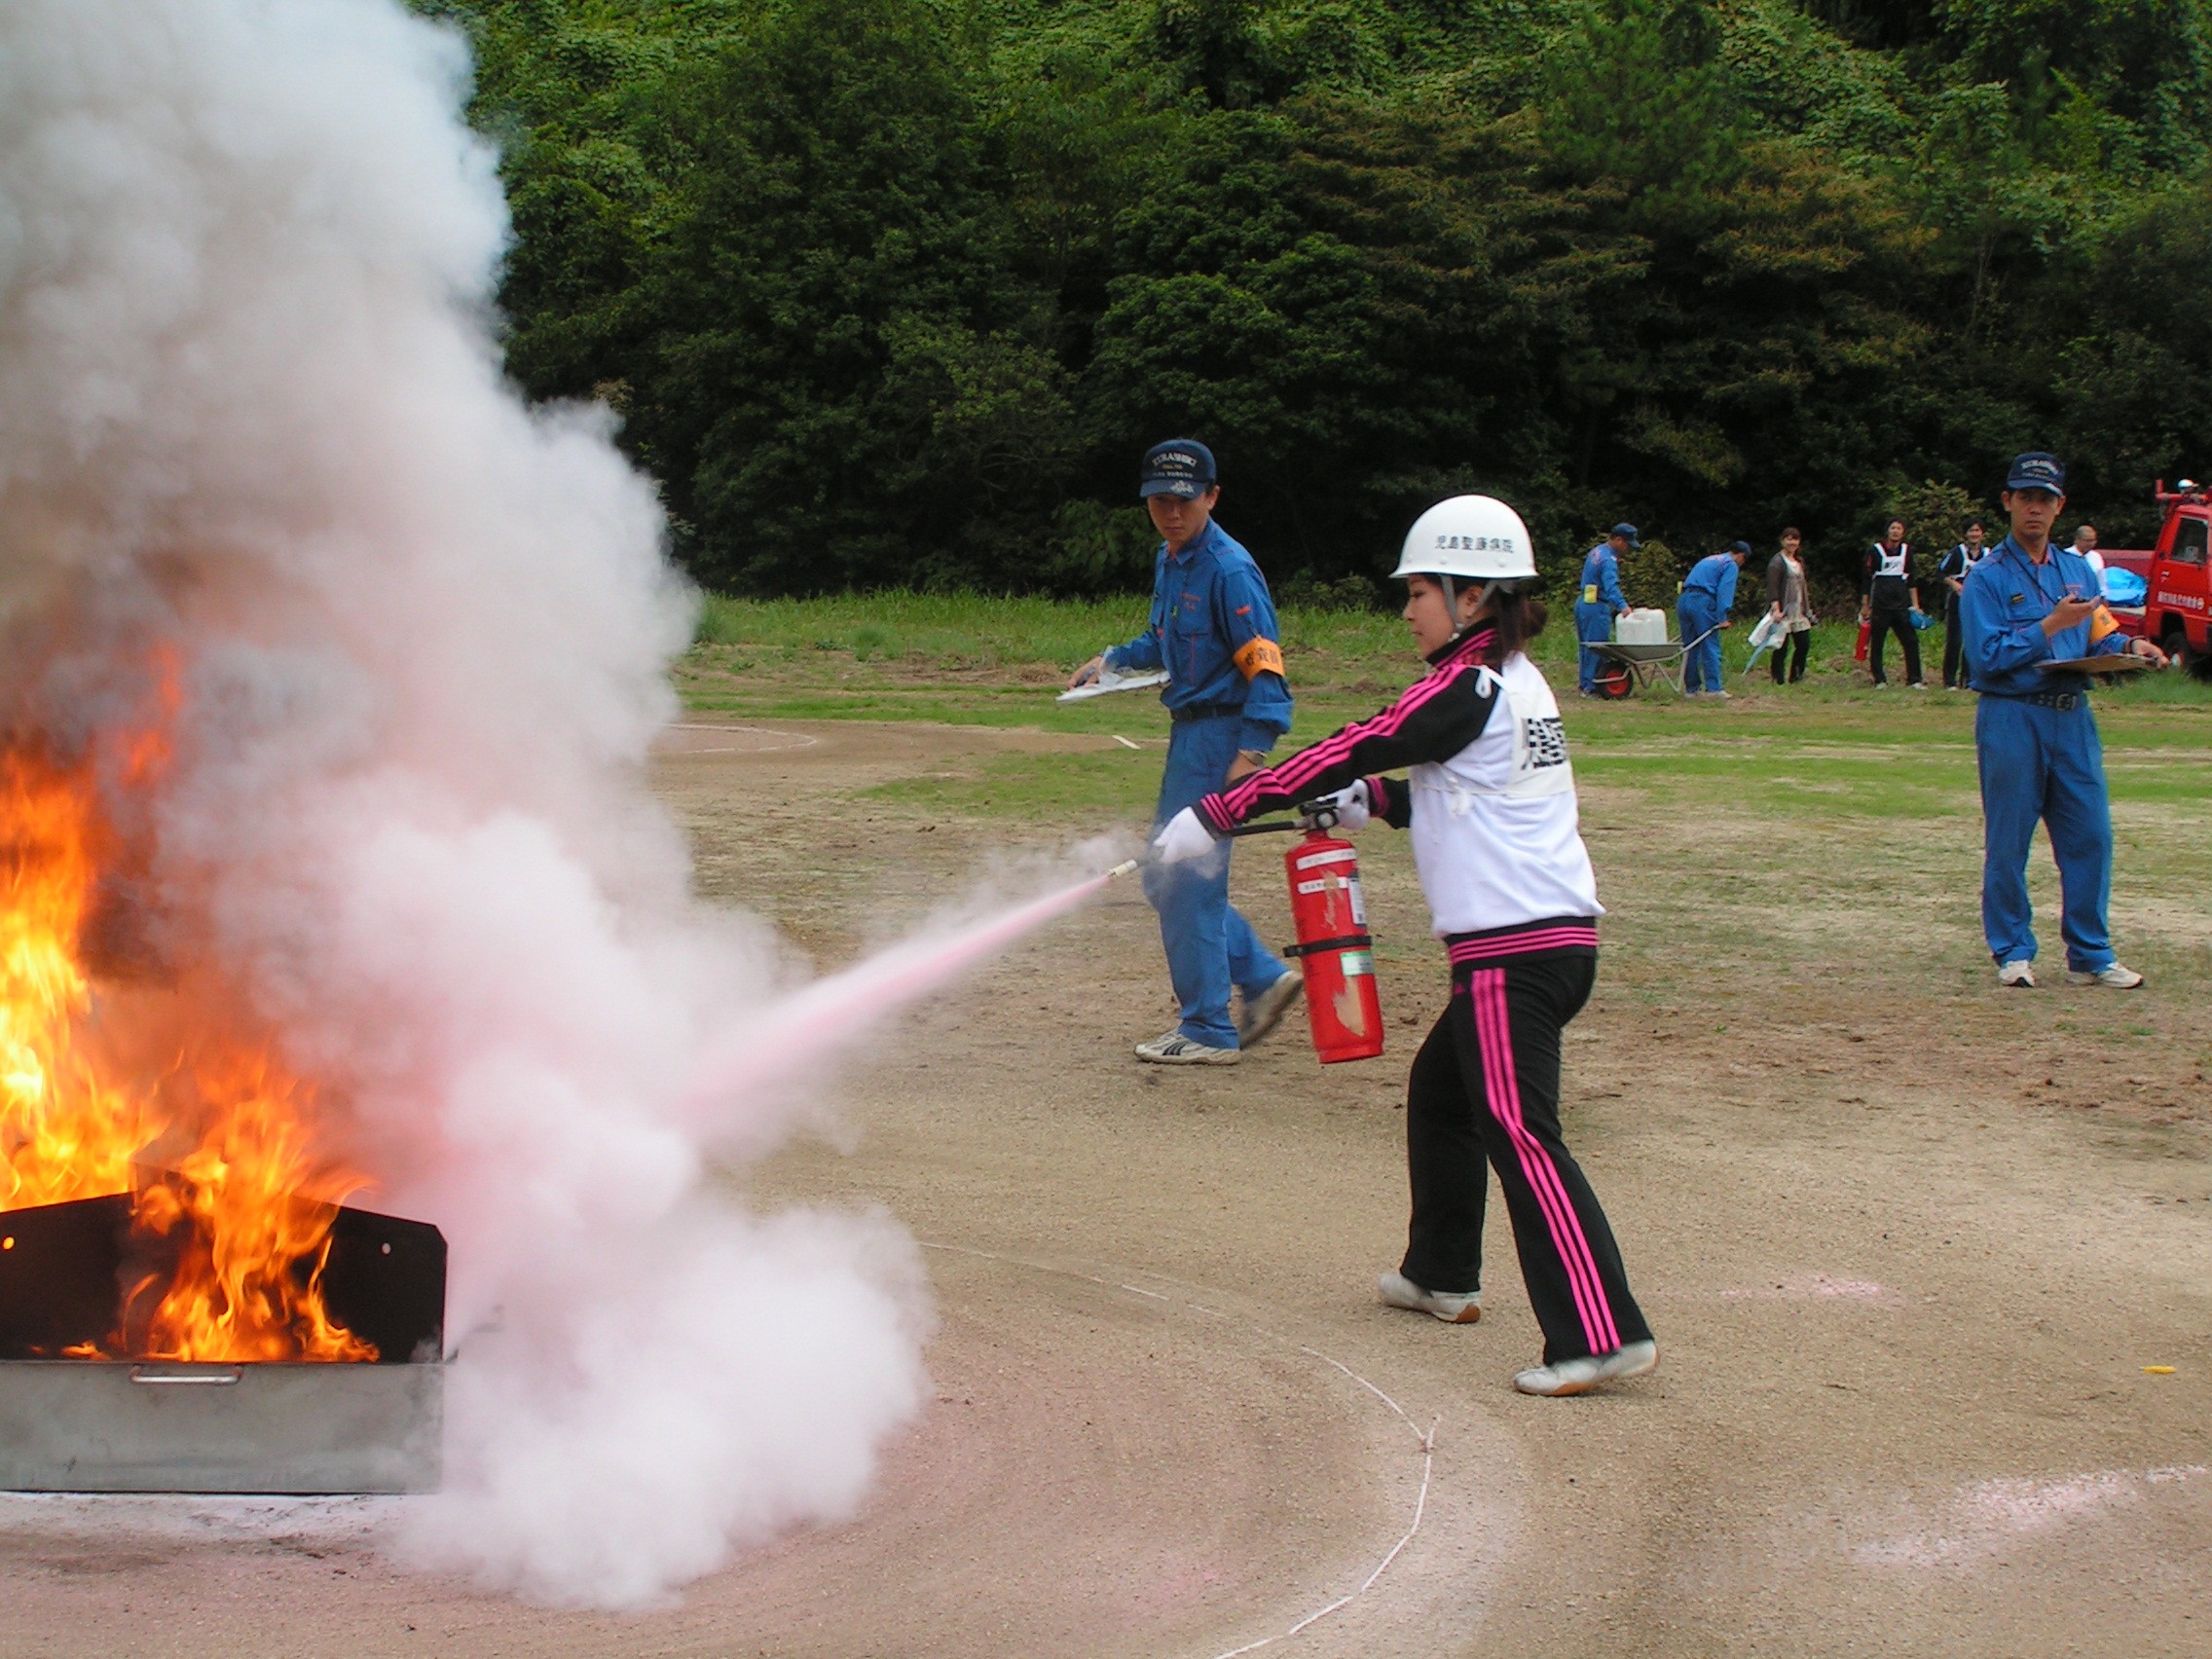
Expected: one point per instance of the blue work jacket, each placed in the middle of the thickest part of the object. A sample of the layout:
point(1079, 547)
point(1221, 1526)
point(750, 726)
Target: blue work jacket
point(1213, 628)
point(2001, 614)
point(1715, 575)
point(1602, 579)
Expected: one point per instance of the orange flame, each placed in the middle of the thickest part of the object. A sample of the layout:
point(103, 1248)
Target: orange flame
point(67, 1134)
point(217, 1148)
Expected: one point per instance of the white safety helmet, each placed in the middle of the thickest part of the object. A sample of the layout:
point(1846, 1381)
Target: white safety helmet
point(1468, 538)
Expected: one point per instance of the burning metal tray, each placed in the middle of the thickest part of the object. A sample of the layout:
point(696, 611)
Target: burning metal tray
point(109, 1425)
point(95, 1424)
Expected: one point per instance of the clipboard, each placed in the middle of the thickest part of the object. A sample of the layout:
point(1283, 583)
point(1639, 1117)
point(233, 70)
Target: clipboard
point(1109, 683)
point(2125, 662)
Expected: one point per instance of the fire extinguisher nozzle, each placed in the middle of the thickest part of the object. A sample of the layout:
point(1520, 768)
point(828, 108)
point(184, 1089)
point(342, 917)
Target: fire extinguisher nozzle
point(1128, 866)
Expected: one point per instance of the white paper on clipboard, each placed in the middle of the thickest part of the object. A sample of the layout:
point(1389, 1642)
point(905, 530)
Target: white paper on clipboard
point(1111, 682)
point(2116, 663)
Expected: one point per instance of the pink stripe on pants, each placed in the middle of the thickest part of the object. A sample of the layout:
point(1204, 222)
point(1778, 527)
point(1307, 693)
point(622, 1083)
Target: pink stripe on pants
point(1494, 1036)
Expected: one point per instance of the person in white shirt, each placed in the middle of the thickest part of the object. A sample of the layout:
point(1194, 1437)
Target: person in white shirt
point(2085, 544)
point(1489, 801)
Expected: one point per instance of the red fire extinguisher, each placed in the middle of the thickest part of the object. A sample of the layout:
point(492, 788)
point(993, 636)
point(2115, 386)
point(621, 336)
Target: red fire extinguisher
point(1330, 914)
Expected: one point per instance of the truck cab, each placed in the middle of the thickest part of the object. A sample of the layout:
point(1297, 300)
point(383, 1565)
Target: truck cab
point(2177, 575)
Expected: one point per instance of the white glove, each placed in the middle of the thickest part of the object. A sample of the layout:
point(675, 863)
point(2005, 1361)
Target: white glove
point(1184, 837)
point(1351, 805)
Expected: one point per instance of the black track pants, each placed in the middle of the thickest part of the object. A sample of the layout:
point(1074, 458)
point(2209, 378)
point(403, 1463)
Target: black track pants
point(1799, 642)
point(1954, 642)
point(1484, 1092)
point(1899, 622)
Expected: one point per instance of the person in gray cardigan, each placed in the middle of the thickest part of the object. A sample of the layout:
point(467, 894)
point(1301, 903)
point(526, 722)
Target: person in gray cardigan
point(1788, 601)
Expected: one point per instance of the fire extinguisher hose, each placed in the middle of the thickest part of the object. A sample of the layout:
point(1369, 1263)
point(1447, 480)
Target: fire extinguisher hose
point(1316, 814)
point(1344, 941)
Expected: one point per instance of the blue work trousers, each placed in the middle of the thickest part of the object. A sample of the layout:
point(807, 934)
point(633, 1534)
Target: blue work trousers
point(1701, 663)
point(1210, 946)
point(2047, 763)
point(1592, 624)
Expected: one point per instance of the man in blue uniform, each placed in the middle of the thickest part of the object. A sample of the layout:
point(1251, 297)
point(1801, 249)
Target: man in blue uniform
point(1708, 592)
point(1213, 629)
point(1599, 601)
point(2025, 605)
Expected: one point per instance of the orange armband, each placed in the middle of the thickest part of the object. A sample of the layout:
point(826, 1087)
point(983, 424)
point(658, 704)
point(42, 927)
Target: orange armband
point(1258, 656)
point(2101, 625)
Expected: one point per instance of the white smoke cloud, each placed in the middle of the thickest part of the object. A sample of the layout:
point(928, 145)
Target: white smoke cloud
point(251, 408)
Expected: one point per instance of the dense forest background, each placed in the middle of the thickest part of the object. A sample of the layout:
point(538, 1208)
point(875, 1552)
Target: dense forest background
point(893, 292)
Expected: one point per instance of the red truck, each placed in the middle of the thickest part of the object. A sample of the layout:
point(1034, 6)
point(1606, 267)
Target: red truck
point(2177, 607)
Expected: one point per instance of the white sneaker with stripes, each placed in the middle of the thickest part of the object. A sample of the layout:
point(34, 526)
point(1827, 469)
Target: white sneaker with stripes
point(1177, 1050)
point(1454, 1307)
point(1580, 1376)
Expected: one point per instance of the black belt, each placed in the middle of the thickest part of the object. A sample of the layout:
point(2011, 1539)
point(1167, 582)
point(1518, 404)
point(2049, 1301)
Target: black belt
point(1205, 711)
point(2041, 699)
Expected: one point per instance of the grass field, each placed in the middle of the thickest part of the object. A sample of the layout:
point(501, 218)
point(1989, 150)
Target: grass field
point(1832, 745)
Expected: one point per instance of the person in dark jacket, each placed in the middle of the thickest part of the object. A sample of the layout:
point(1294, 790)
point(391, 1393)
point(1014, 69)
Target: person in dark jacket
point(1889, 596)
point(1953, 569)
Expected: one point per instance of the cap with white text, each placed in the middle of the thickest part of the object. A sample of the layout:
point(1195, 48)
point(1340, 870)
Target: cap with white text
point(2036, 469)
point(1180, 466)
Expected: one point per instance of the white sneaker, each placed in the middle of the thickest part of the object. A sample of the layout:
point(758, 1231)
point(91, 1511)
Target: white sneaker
point(2117, 978)
point(1454, 1307)
point(1177, 1050)
point(2019, 974)
point(1580, 1376)
point(1265, 1011)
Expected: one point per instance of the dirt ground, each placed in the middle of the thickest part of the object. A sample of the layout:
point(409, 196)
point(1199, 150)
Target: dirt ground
point(1909, 1248)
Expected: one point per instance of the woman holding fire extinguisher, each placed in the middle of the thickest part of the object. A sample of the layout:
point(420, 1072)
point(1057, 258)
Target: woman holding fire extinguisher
point(1490, 803)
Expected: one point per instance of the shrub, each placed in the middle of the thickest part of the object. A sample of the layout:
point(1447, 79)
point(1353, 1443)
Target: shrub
point(1651, 574)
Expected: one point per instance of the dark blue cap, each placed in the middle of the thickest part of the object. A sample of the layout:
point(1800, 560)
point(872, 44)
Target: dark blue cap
point(1627, 532)
point(1743, 547)
point(2037, 470)
point(1180, 466)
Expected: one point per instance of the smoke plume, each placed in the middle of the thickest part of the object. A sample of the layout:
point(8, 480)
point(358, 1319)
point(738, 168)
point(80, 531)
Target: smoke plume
point(259, 469)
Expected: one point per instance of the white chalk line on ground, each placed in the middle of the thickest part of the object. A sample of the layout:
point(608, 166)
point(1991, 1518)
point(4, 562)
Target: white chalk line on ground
point(796, 739)
point(1427, 1437)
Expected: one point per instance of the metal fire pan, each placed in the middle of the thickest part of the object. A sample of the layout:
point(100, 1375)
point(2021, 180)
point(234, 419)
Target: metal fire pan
point(98, 1425)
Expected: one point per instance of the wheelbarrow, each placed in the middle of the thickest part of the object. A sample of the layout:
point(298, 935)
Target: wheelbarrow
point(1639, 665)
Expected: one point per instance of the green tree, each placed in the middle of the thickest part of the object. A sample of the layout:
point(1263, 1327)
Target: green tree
point(1747, 359)
point(2130, 356)
point(838, 380)
point(896, 291)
